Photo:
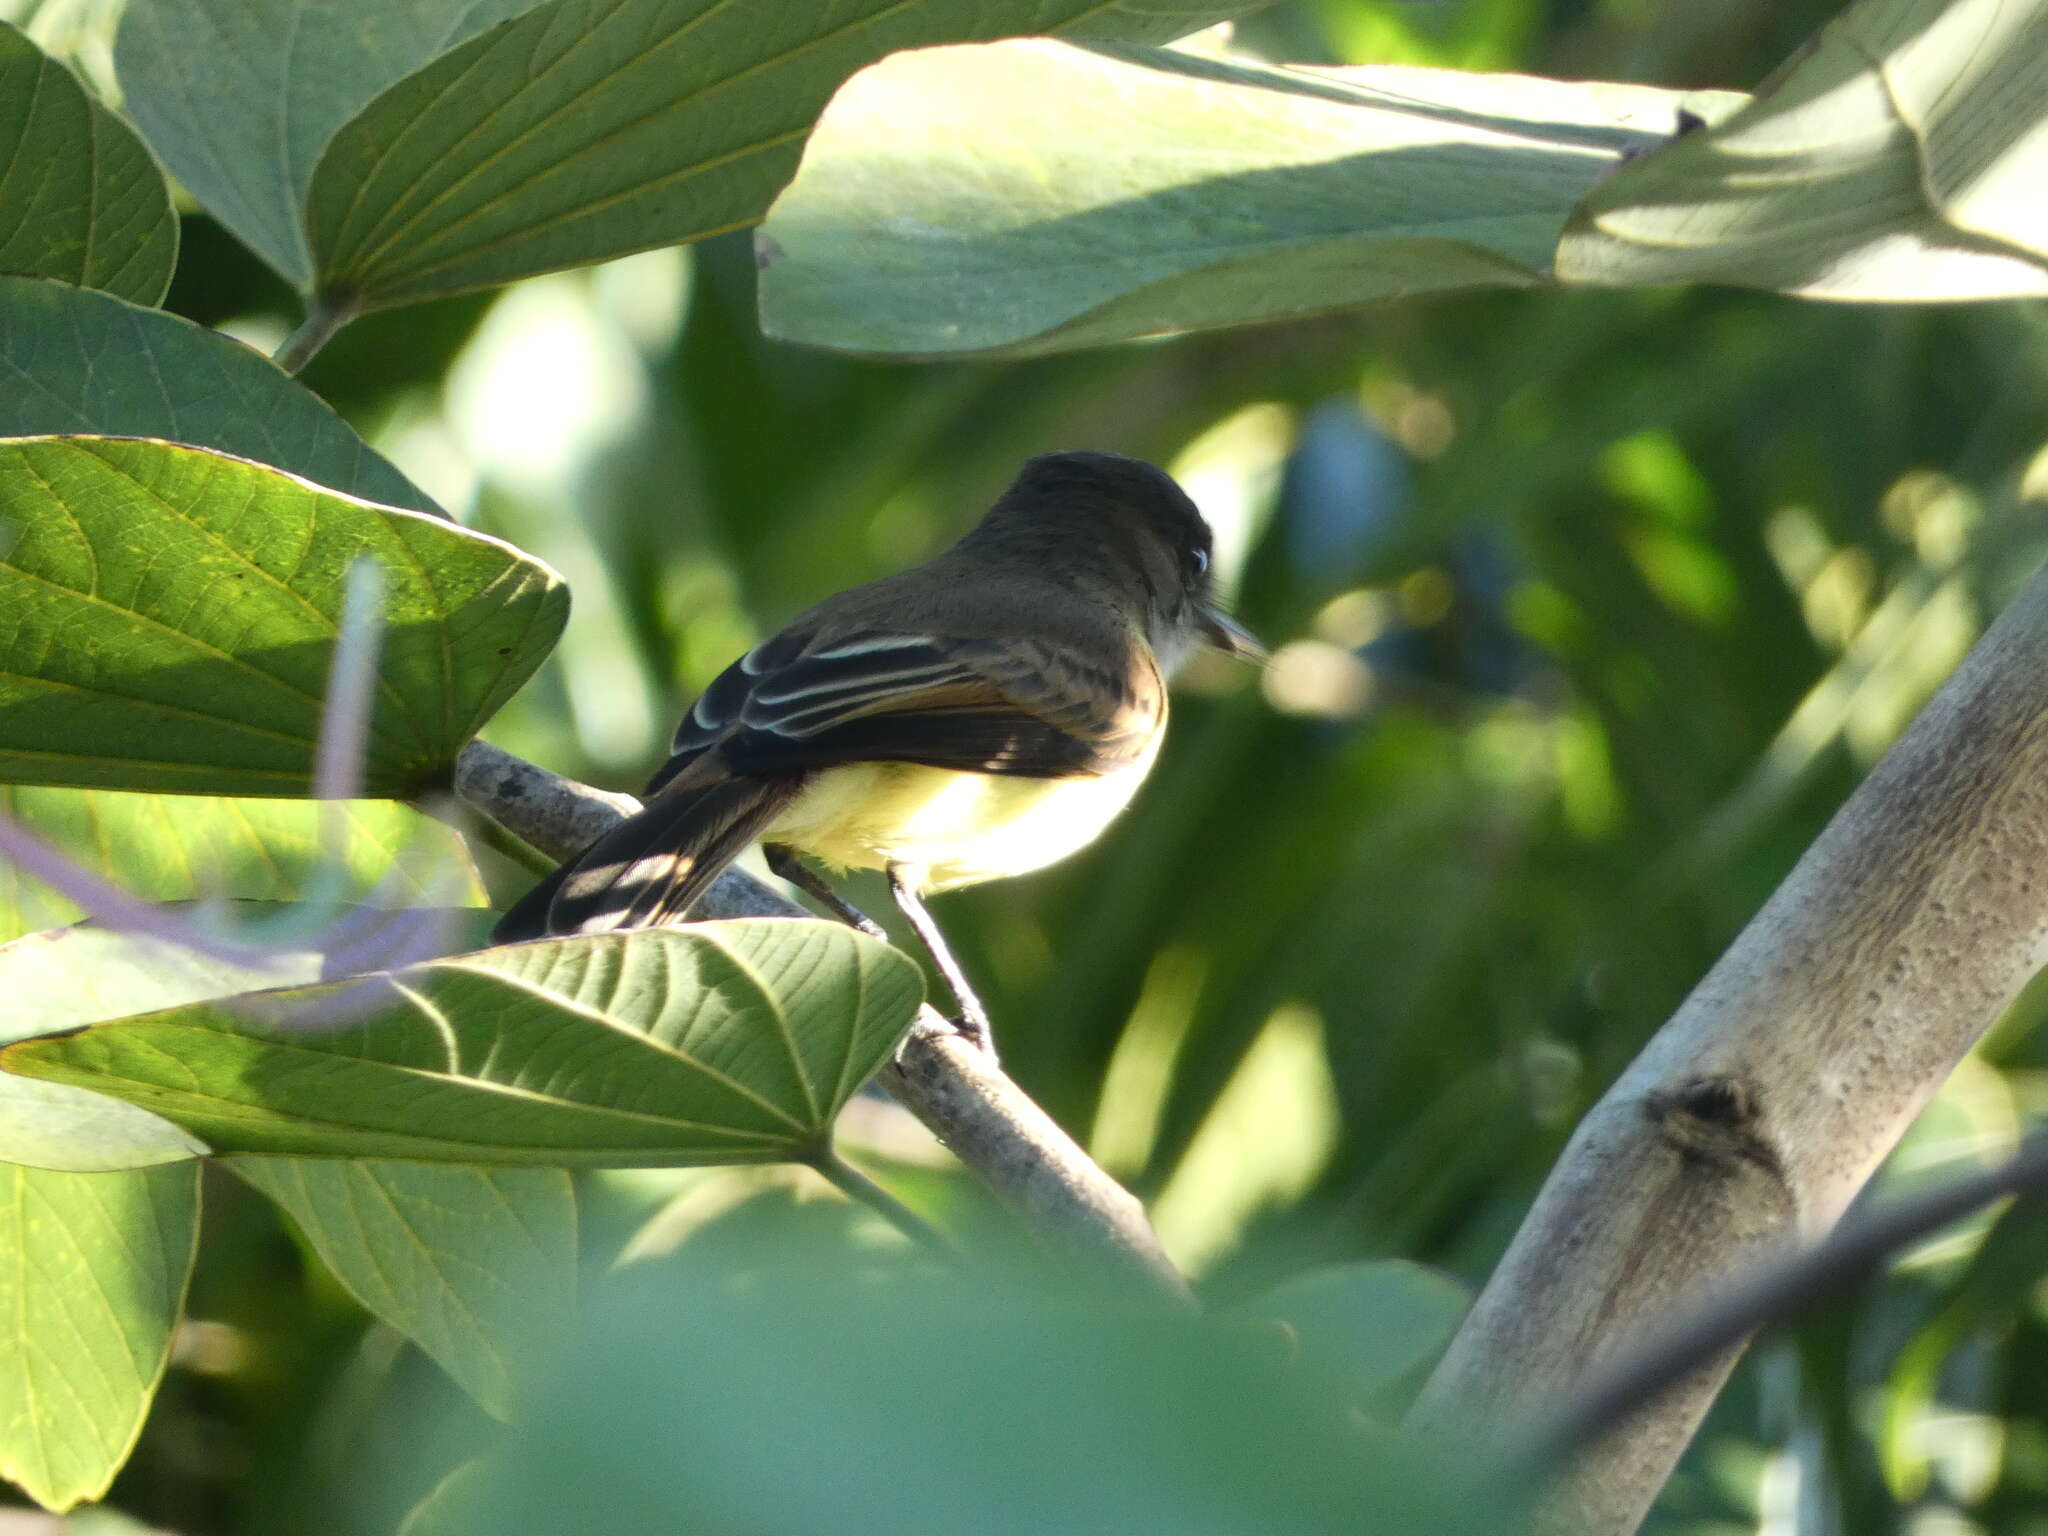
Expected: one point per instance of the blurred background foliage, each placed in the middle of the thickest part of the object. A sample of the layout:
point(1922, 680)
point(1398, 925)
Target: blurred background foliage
point(1588, 609)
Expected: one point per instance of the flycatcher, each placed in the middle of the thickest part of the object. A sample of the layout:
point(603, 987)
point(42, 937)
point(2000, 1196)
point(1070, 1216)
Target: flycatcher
point(983, 714)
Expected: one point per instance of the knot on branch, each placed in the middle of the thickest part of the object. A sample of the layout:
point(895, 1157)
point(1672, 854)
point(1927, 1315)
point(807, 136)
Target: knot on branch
point(1715, 1119)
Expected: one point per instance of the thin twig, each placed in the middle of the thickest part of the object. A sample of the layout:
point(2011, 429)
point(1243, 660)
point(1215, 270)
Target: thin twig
point(1781, 1290)
point(515, 850)
point(855, 1185)
point(990, 1124)
point(326, 314)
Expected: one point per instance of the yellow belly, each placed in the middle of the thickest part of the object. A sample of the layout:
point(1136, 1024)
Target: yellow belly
point(957, 827)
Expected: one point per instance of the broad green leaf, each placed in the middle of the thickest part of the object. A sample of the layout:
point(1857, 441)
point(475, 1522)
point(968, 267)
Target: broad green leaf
point(76, 361)
point(1967, 79)
point(720, 1043)
point(189, 847)
point(86, 973)
point(1904, 159)
point(1369, 1324)
point(475, 1265)
point(172, 614)
point(1030, 196)
point(54, 1128)
point(586, 129)
point(80, 198)
point(93, 1268)
point(1027, 1409)
point(295, 71)
point(428, 1249)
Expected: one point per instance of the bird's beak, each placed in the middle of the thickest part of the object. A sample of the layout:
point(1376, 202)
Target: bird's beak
point(1226, 634)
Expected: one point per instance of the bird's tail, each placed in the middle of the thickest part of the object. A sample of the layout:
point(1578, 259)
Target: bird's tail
point(650, 868)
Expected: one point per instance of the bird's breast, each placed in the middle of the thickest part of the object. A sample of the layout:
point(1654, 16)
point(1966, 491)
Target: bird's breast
point(959, 827)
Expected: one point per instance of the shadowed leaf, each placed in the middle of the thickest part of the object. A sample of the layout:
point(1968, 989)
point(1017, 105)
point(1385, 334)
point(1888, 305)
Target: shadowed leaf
point(586, 129)
point(295, 70)
point(471, 1264)
point(80, 198)
point(173, 380)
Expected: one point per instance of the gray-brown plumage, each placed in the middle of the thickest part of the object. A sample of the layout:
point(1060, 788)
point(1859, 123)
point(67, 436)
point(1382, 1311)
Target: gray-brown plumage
point(980, 715)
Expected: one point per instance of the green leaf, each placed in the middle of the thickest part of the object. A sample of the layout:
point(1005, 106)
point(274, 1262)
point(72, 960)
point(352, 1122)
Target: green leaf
point(1370, 1324)
point(586, 129)
point(295, 70)
point(172, 614)
point(428, 1249)
point(189, 847)
point(1967, 80)
point(1021, 1405)
point(76, 361)
point(2001, 1280)
point(80, 198)
point(93, 1268)
point(475, 1265)
point(719, 1043)
point(1903, 159)
point(52, 1127)
point(84, 974)
point(1166, 192)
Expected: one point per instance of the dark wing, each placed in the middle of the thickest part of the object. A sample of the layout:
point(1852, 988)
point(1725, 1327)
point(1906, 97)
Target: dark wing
point(1033, 708)
point(650, 868)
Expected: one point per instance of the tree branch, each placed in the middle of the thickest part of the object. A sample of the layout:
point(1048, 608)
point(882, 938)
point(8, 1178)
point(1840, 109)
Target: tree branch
point(1753, 1117)
point(1033, 1166)
point(1783, 1289)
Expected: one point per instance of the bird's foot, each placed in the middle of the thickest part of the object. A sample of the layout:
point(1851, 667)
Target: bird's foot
point(785, 863)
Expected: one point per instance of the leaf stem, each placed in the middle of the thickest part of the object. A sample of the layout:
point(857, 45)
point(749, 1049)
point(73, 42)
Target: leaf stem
point(855, 1185)
point(326, 313)
point(512, 847)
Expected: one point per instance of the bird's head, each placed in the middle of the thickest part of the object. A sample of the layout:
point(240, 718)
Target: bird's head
point(1121, 520)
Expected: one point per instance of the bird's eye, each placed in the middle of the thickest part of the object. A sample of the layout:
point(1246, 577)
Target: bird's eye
point(1198, 561)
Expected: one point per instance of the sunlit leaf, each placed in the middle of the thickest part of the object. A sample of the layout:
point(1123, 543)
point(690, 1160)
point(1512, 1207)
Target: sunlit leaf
point(172, 614)
point(80, 198)
point(93, 1268)
point(586, 129)
point(475, 1265)
point(187, 847)
point(72, 360)
point(1902, 160)
point(295, 70)
point(943, 208)
point(87, 973)
point(719, 1043)
point(430, 1250)
point(1967, 80)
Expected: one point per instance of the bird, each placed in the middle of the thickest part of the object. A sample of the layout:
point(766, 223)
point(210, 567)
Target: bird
point(981, 715)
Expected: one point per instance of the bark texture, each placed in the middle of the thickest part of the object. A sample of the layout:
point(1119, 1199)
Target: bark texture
point(1755, 1115)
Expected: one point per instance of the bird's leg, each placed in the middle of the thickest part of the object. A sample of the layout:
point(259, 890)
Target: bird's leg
point(784, 861)
point(973, 1020)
